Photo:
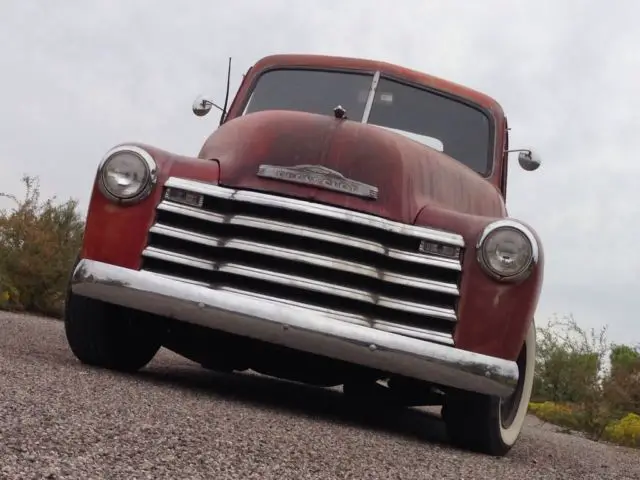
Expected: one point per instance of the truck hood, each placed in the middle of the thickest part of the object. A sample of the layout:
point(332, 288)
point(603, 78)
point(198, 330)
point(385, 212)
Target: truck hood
point(409, 176)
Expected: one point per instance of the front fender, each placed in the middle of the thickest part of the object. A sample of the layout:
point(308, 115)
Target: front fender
point(116, 234)
point(493, 317)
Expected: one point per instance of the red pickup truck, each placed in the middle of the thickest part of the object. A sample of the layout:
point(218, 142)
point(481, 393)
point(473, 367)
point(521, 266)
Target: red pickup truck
point(345, 224)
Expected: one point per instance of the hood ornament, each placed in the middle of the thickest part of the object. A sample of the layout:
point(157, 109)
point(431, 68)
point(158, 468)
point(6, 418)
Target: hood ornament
point(340, 112)
point(320, 177)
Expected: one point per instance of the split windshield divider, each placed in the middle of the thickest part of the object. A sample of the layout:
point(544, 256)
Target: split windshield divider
point(371, 97)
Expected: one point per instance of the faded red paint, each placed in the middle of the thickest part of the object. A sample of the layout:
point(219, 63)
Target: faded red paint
point(494, 317)
point(324, 61)
point(118, 234)
point(407, 174)
point(417, 185)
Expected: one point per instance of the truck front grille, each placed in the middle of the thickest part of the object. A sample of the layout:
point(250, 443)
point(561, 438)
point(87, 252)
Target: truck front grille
point(359, 267)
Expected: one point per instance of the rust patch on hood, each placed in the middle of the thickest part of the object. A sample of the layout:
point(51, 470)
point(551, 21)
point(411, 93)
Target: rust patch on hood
point(408, 175)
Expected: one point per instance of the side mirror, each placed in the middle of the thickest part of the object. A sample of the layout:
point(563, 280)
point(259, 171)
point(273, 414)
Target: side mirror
point(528, 159)
point(201, 106)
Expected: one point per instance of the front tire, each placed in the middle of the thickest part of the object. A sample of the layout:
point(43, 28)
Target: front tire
point(109, 336)
point(487, 424)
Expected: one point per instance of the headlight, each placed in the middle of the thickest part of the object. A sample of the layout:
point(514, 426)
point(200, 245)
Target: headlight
point(127, 174)
point(507, 250)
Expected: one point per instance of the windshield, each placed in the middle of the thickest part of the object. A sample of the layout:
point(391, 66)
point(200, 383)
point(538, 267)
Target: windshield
point(462, 131)
point(453, 127)
point(312, 91)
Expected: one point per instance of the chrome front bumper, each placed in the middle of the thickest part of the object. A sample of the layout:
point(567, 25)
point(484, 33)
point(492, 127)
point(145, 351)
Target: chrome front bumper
point(292, 325)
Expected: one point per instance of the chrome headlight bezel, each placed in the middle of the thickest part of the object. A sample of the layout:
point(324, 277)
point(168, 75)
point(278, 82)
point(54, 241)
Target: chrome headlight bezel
point(522, 230)
point(150, 177)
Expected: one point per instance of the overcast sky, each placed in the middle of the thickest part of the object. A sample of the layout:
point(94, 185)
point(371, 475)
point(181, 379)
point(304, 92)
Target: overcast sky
point(79, 76)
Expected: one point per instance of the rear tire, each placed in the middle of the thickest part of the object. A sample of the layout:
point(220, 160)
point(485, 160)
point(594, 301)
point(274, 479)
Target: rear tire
point(486, 424)
point(109, 336)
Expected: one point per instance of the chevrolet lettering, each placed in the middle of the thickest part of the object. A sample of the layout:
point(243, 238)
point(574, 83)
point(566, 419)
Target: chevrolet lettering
point(318, 176)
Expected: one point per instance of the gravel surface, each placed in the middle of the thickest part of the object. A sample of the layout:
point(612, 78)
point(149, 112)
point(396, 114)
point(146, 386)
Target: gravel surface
point(59, 419)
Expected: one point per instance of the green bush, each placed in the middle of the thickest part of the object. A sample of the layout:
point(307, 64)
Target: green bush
point(625, 431)
point(623, 383)
point(556, 413)
point(39, 240)
point(576, 387)
point(569, 361)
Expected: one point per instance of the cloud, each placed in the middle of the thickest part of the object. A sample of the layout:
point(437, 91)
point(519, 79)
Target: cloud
point(81, 76)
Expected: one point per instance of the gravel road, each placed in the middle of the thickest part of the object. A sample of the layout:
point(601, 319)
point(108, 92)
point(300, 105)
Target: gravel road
point(59, 419)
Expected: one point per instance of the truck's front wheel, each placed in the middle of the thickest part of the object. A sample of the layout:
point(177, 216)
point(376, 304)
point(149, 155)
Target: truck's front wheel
point(486, 424)
point(108, 336)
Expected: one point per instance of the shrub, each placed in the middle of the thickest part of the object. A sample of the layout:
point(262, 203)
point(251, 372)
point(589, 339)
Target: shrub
point(574, 386)
point(624, 359)
point(623, 385)
point(39, 241)
point(570, 369)
point(569, 361)
point(625, 431)
point(556, 413)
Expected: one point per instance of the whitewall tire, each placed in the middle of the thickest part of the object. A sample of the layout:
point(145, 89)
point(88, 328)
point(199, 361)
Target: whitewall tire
point(486, 424)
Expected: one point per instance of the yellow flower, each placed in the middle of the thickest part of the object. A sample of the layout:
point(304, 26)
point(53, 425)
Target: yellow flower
point(625, 431)
point(552, 412)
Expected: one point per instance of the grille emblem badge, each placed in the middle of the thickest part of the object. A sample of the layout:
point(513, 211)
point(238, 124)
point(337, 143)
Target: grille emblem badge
point(319, 176)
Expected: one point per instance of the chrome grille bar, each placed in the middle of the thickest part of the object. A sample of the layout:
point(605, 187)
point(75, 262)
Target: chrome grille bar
point(316, 209)
point(300, 282)
point(360, 267)
point(307, 232)
point(304, 257)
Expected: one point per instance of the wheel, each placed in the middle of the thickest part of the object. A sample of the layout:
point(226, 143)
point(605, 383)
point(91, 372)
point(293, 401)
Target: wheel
point(108, 336)
point(487, 424)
